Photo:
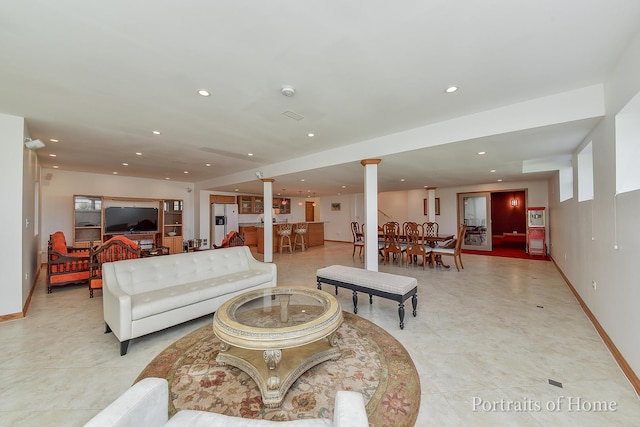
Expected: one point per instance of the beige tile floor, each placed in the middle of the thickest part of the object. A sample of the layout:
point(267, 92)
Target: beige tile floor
point(483, 348)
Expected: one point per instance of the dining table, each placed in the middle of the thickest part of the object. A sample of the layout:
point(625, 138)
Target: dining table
point(432, 241)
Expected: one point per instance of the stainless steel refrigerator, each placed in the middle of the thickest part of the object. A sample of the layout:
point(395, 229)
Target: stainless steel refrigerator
point(225, 219)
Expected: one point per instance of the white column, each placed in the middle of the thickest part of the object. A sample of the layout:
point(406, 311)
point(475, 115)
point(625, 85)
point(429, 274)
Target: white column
point(268, 218)
point(431, 202)
point(371, 213)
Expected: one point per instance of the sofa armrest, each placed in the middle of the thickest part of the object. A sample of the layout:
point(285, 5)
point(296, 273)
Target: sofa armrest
point(116, 304)
point(267, 267)
point(146, 404)
point(349, 410)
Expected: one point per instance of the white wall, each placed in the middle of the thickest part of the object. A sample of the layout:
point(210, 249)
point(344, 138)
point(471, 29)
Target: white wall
point(585, 235)
point(11, 165)
point(58, 191)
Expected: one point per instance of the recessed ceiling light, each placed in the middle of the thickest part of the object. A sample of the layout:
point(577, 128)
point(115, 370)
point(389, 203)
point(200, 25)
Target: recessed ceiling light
point(344, 186)
point(203, 92)
point(237, 190)
point(115, 173)
point(481, 153)
point(167, 178)
point(186, 171)
point(451, 89)
point(402, 180)
point(302, 180)
point(156, 132)
point(138, 154)
point(125, 164)
point(249, 154)
point(207, 164)
point(56, 167)
point(492, 170)
point(53, 140)
point(500, 180)
point(311, 135)
point(52, 155)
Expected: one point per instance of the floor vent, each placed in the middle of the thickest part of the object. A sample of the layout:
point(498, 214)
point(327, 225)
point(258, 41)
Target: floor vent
point(555, 383)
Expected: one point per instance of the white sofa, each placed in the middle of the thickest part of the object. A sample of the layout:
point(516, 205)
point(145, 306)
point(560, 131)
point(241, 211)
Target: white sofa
point(146, 295)
point(146, 404)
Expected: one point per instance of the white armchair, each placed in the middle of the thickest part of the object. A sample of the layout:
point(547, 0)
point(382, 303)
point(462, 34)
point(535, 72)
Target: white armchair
point(146, 404)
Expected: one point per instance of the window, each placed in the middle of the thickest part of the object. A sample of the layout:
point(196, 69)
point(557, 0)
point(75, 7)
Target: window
point(627, 147)
point(585, 173)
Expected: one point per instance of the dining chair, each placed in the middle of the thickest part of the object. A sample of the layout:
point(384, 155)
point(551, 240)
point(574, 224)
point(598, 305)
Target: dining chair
point(392, 243)
point(456, 251)
point(431, 229)
point(358, 237)
point(416, 247)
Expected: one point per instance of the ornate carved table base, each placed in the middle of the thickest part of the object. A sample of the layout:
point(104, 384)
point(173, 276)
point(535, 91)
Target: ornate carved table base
point(276, 370)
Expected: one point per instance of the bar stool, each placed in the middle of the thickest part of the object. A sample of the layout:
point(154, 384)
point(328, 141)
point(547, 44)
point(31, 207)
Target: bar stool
point(300, 230)
point(284, 231)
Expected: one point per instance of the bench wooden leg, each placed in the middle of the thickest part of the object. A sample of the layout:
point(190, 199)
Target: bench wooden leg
point(414, 303)
point(401, 314)
point(355, 302)
point(370, 299)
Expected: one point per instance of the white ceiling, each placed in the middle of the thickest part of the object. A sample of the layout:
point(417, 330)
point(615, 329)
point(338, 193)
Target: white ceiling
point(101, 76)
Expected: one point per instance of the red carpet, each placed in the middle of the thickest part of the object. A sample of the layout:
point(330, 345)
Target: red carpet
point(507, 253)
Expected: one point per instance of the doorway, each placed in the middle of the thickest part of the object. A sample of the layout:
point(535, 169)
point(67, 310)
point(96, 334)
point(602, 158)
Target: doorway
point(474, 210)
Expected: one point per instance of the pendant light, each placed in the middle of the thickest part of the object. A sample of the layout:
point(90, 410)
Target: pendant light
point(314, 200)
point(300, 197)
point(284, 200)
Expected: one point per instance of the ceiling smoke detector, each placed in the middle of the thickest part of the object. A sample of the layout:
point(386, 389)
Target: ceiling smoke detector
point(288, 91)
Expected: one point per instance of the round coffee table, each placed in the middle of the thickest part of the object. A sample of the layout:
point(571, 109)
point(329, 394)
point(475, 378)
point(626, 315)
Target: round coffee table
point(277, 334)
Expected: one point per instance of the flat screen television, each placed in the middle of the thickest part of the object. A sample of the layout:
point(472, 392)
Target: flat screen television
point(130, 220)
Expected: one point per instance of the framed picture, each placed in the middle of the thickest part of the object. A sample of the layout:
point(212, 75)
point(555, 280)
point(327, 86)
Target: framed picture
point(437, 205)
point(335, 206)
point(426, 206)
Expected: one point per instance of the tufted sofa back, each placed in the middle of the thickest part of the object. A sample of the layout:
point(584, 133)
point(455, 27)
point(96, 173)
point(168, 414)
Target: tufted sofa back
point(148, 274)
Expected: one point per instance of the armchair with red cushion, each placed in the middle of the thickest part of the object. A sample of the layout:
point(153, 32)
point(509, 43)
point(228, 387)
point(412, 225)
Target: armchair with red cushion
point(232, 239)
point(65, 264)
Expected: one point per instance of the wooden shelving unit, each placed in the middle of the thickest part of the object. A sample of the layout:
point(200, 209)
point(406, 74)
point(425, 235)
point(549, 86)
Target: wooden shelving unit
point(172, 235)
point(87, 220)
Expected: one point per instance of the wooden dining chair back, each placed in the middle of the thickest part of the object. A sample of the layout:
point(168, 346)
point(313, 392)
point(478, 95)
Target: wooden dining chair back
point(456, 251)
point(416, 248)
point(358, 237)
point(392, 243)
point(430, 229)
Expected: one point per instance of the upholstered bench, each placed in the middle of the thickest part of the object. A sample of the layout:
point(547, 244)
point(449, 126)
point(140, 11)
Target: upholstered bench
point(384, 285)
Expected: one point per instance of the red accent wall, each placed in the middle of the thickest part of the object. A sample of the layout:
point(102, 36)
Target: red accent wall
point(506, 218)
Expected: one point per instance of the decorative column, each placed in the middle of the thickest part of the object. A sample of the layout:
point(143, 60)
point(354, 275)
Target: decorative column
point(268, 218)
point(371, 213)
point(431, 203)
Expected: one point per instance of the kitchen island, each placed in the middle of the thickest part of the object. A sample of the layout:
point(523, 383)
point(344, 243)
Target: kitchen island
point(314, 236)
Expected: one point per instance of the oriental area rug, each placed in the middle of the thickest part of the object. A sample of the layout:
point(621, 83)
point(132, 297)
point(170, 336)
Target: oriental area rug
point(372, 362)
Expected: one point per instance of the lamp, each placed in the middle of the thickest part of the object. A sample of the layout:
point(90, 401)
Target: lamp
point(284, 201)
point(300, 201)
point(33, 144)
point(314, 200)
point(514, 202)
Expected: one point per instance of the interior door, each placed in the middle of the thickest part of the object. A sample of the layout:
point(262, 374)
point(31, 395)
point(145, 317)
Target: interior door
point(309, 212)
point(474, 210)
